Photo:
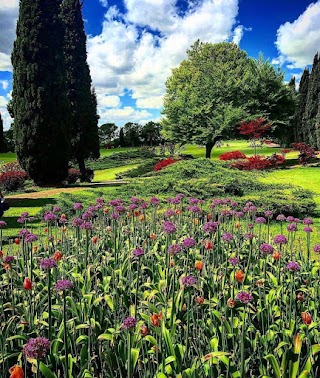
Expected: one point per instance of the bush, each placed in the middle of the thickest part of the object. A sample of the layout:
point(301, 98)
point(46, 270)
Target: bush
point(141, 170)
point(164, 163)
point(13, 180)
point(73, 175)
point(258, 162)
point(232, 155)
point(307, 153)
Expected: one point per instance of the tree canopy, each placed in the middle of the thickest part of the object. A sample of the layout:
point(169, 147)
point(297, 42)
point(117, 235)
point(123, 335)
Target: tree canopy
point(216, 88)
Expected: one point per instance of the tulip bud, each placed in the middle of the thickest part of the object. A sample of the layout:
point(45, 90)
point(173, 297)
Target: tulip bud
point(27, 284)
point(306, 317)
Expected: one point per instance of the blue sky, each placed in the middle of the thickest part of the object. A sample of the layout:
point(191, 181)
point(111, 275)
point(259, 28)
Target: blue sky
point(133, 44)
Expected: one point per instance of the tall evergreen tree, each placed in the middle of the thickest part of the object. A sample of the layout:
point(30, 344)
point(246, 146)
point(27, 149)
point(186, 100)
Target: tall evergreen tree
point(40, 106)
point(2, 139)
point(301, 106)
point(122, 140)
point(84, 119)
point(312, 136)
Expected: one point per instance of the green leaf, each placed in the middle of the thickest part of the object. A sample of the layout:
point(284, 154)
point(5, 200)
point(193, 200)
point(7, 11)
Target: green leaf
point(275, 365)
point(46, 371)
point(105, 336)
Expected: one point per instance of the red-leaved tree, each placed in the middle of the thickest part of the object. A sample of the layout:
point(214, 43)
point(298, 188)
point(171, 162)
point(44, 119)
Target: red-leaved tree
point(254, 129)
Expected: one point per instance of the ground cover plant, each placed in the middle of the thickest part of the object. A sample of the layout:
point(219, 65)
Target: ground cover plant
point(161, 288)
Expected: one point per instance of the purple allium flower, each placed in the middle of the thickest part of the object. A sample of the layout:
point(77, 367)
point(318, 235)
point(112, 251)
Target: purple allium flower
point(249, 236)
point(86, 226)
point(138, 252)
point(234, 261)
point(195, 201)
point(249, 204)
point(116, 202)
point(281, 218)
point(307, 229)
point(216, 202)
point(24, 233)
point(293, 266)
point(88, 214)
point(188, 281)
point(48, 263)
point(129, 322)
point(226, 201)
point(174, 201)
point(119, 209)
point(21, 220)
point(268, 214)
point(100, 201)
point(144, 205)
point(154, 201)
point(3, 224)
point(227, 237)
point(56, 209)
point(188, 243)
point(194, 209)
point(169, 213)
point(307, 221)
point(316, 248)
point(225, 213)
point(77, 222)
point(77, 206)
point(37, 348)
point(233, 204)
point(244, 297)
point(24, 214)
point(135, 200)
point(297, 220)
point(30, 238)
point(98, 206)
point(211, 227)
point(260, 220)
point(50, 217)
point(174, 249)
point(290, 219)
point(169, 227)
point(63, 285)
point(266, 249)
point(132, 206)
point(8, 259)
point(280, 239)
point(239, 214)
point(292, 227)
point(115, 216)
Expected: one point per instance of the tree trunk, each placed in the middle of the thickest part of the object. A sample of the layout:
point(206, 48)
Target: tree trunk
point(209, 147)
point(82, 168)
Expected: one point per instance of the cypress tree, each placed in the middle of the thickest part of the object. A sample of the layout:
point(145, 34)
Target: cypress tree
point(122, 140)
point(83, 103)
point(311, 110)
point(39, 105)
point(2, 140)
point(300, 133)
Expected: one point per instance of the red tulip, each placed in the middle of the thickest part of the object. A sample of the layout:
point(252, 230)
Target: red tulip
point(27, 284)
point(16, 372)
point(306, 318)
point(17, 241)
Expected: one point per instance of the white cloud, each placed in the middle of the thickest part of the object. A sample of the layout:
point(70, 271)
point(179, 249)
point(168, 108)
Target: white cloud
point(104, 3)
point(5, 62)
point(108, 101)
point(297, 42)
point(238, 34)
point(155, 102)
point(4, 84)
point(8, 18)
point(7, 120)
point(123, 115)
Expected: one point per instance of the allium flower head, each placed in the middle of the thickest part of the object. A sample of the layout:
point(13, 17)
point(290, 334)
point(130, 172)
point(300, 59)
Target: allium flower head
point(169, 227)
point(50, 217)
point(77, 222)
point(249, 236)
point(116, 202)
point(188, 242)
point(188, 281)
point(77, 206)
point(119, 209)
point(63, 285)
point(290, 219)
point(132, 206)
point(138, 252)
point(281, 218)
point(194, 209)
point(244, 297)
point(266, 249)
point(129, 322)
point(154, 201)
point(227, 237)
point(210, 227)
point(268, 214)
point(307, 221)
point(260, 220)
point(292, 227)
point(3, 224)
point(37, 348)
point(307, 229)
point(280, 239)
point(100, 200)
point(234, 261)
point(169, 213)
point(8, 260)
point(56, 209)
point(88, 214)
point(239, 214)
point(293, 266)
point(316, 248)
point(174, 249)
point(30, 238)
point(86, 226)
point(48, 263)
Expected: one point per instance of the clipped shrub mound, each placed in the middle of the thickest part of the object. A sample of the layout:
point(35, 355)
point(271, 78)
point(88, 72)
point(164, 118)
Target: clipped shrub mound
point(13, 180)
point(232, 155)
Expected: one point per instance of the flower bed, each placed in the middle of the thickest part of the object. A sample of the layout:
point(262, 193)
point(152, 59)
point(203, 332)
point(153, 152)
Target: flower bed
point(161, 288)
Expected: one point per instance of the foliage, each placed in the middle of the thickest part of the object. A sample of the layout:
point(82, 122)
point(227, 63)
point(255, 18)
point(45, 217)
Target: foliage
point(307, 153)
point(3, 147)
point(13, 180)
point(107, 133)
point(118, 306)
point(300, 132)
point(258, 162)
point(144, 168)
point(254, 129)
point(164, 163)
point(83, 103)
point(73, 175)
point(232, 155)
point(39, 103)
point(12, 166)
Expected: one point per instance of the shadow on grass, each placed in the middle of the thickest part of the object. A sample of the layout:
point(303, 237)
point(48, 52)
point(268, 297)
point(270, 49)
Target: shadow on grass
point(30, 202)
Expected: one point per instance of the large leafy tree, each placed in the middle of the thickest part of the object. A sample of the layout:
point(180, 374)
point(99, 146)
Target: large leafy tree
point(83, 106)
point(132, 132)
point(215, 88)
point(107, 132)
point(39, 102)
point(151, 133)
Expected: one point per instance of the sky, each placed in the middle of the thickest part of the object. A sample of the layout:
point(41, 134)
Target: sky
point(134, 44)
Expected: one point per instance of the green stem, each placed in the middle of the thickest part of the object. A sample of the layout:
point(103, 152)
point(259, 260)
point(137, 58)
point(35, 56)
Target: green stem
point(65, 334)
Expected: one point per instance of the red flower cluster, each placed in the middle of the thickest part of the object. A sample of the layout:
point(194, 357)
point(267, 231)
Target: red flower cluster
point(307, 152)
point(13, 180)
point(232, 155)
point(73, 175)
point(258, 162)
point(254, 129)
point(164, 163)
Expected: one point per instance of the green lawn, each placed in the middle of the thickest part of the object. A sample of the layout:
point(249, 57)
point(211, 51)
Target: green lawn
point(7, 157)
point(110, 174)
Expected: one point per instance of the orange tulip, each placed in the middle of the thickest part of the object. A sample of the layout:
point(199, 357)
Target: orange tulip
point(155, 319)
point(178, 211)
point(208, 245)
point(238, 225)
point(200, 300)
point(6, 266)
point(63, 216)
point(106, 210)
point(144, 330)
point(239, 275)
point(27, 284)
point(142, 218)
point(46, 229)
point(95, 240)
point(276, 255)
point(231, 303)
point(306, 317)
point(209, 217)
point(16, 372)
point(108, 229)
point(198, 265)
point(153, 236)
point(196, 221)
point(35, 248)
point(57, 255)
